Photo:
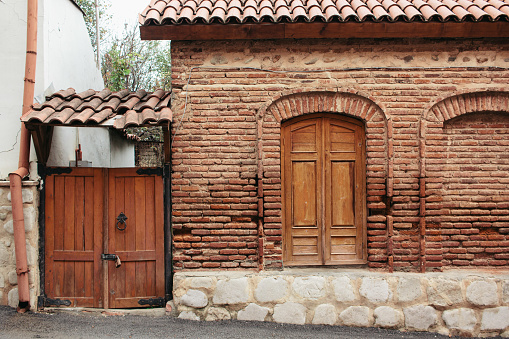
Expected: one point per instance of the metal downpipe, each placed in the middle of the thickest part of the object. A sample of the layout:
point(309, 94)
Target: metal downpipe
point(17, 176)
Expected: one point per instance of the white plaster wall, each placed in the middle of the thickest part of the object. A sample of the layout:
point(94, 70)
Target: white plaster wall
point(12, 68)
point(121, 152)
point(65, 59)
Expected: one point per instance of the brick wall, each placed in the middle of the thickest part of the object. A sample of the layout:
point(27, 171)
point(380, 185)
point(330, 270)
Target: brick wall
point(467, 166)
point(226, 154)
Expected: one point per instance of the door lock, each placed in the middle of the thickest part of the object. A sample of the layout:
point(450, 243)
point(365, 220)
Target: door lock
point(112, 257)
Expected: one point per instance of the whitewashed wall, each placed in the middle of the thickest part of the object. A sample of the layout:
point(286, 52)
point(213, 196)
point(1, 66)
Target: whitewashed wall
point(65, 59)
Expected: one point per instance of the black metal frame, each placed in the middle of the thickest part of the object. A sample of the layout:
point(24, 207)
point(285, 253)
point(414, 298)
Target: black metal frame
point(168, 236)
point(42, 230)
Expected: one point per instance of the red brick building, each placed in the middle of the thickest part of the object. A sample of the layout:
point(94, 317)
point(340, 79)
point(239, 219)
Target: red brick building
point(419, 184)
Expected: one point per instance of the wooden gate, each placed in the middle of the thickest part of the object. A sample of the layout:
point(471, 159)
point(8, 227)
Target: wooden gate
point(81, 229)
point(323, 190)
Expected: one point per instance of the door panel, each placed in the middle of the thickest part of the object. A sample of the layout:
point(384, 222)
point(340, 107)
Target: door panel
point(304, 243)
point(323, 190)
point(72, 271)
point(140, 246)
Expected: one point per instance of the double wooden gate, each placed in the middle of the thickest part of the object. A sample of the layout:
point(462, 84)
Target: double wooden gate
point(86, 238)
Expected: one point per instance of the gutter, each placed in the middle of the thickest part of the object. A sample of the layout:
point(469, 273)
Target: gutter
point(17, 176)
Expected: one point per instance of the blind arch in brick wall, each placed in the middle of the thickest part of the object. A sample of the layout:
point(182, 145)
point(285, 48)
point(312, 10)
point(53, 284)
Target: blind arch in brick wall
point(293, 105)
point(452, 107)
point(464, 168)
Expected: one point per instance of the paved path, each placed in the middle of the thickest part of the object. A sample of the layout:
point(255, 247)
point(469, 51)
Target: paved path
point(80, 324)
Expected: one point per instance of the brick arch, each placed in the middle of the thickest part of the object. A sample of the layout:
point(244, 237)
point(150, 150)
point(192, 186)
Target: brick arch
point(446, 177)
point(457, 105)
point(297, 104)
point(291, 105)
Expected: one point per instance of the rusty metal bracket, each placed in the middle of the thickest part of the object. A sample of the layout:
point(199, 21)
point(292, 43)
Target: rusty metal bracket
point(153, 302)
point(56, 170)
point(43, 301)
point(150, 171)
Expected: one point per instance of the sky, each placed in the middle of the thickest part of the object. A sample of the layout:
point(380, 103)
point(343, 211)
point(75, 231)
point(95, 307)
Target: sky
point(125, 11)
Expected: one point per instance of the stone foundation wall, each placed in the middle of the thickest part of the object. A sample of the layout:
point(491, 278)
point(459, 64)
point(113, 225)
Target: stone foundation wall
point(8, 278)
point(451, 303)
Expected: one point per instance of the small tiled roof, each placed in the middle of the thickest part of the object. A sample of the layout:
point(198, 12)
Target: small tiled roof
point(186, 12)
point(118, 109)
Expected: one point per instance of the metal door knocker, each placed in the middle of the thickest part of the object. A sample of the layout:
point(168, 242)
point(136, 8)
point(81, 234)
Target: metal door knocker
point(121, 219)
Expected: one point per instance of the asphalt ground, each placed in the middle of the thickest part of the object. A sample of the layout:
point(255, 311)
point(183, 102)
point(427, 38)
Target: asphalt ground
point(84, 324)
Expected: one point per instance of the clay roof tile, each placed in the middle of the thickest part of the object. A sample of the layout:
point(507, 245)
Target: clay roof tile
point(93, 107)
point(190, 12)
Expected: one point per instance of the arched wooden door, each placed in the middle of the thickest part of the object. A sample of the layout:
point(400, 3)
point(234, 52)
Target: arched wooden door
point(324, 191)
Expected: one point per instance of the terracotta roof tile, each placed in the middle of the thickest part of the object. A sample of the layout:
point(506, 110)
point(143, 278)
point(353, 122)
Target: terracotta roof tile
point(119, 109)
point(235, 11)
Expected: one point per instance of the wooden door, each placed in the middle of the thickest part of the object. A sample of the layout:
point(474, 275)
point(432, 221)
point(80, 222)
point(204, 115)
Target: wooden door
point(140, 245)
point(80, 225)
point(323, 173)
point(73, 237)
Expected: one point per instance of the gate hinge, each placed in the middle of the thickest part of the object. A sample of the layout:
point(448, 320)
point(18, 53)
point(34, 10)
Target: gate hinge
point(150, 171)
point(43, 301)
point(161, 302)
point(54, 170)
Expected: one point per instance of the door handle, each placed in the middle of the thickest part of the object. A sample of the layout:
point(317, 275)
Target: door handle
point(121, 219)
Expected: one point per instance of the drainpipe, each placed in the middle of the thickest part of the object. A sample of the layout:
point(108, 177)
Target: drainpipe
point(24, 162)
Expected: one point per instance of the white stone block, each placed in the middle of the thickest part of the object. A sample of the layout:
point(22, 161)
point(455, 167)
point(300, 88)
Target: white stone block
point(29, 217)
point(409, 289)
point(5, 255)
point(343, 289)
point(444, 292)
point(202, 282)
point(375, 290)
point(188, 315)
point(482, 293)
point(310, 287)
point(234, 291)
point(2, 282)
point(26, 195)
point(388, 317)
point(13, 278)
point(13, 298)
point(505, 291)
point(495, 318)
point(271, 289)
point(325, 314)
point(253, 312)
point(356, 316)
point(290, 313)
point(420, 317)
point(194, 298)
point(460, 319)
point(217, 313)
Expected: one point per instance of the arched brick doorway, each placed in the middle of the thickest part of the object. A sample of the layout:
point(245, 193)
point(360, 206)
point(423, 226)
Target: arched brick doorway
point(324, 190)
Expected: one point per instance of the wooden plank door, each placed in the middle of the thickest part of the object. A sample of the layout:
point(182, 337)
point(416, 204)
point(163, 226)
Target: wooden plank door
point(140, 246)
point(73, 236)
point(344, 206)
point(323, 190)
point(302, 177)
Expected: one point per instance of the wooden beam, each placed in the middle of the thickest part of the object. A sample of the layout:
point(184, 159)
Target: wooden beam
point(42, 136)
point(167, 143)
point(321, 30)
